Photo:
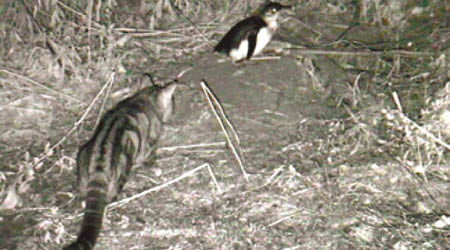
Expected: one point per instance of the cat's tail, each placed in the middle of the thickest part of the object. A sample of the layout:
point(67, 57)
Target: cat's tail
point(96, 201)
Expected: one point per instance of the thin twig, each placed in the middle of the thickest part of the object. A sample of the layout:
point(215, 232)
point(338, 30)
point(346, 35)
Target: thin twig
point(265, 58)
point(157, 33)
point(102, 107)
point(157, 188)
point(282, 219)
point(208, 95)
point(44, 154)
point(404, 53)
point(220, 108)
point(89, 28)
point(214, 178)
point(193, 146)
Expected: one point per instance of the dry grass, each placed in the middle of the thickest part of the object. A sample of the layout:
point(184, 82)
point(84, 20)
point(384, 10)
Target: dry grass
point(377, 177)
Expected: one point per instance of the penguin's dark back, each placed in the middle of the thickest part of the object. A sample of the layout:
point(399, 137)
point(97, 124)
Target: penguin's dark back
point(239, 32)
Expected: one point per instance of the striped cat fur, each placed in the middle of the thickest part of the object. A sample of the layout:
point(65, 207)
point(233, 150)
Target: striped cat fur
point(126, 136)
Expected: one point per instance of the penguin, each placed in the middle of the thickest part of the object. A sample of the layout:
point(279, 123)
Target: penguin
point(251, 35)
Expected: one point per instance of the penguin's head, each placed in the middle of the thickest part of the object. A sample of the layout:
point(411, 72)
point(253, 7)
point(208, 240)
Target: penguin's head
point(271, 10)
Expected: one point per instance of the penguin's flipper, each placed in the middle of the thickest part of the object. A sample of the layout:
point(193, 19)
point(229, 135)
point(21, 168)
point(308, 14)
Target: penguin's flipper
point(251, 43)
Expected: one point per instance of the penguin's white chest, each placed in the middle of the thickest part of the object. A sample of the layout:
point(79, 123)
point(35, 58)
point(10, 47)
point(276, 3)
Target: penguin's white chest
point(239, 53)
point(262, 39)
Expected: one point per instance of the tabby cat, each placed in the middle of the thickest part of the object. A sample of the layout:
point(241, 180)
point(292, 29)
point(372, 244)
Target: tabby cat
point(126, 136)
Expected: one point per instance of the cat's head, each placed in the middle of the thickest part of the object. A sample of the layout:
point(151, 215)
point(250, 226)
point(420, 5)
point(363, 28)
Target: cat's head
point(165, 101)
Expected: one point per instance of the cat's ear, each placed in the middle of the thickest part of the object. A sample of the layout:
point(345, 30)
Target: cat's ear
point(164, 101)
